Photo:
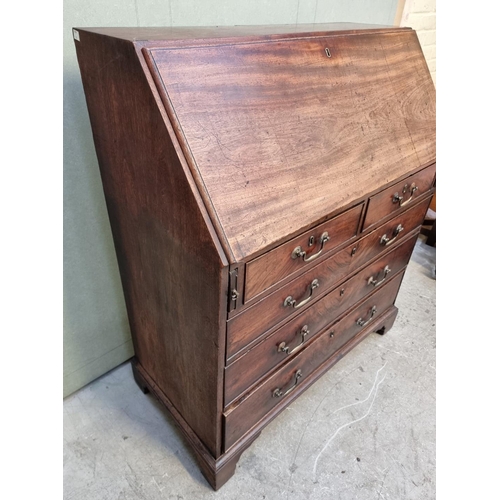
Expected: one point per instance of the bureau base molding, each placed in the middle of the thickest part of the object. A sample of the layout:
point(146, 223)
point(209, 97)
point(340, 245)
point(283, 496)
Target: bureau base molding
point(218, 471)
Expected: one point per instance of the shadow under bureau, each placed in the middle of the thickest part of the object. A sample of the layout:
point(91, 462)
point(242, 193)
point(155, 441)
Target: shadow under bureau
point(265, 188)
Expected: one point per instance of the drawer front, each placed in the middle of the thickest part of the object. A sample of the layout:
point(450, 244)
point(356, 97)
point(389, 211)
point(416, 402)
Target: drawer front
point(258, 319)
point(275, 389)
point(299, 253)
point(390, 200)
point(290, 338)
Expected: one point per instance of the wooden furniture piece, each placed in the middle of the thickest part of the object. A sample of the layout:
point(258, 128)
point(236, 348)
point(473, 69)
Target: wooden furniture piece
point(265, 187)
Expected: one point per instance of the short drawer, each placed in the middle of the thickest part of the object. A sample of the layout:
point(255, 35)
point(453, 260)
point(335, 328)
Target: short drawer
point(294, 335)
point(250, 325)
point(300, 253)
point(390, 200)
point(275, 389)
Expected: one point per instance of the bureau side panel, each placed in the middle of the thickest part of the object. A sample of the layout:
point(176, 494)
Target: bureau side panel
point(173, 275)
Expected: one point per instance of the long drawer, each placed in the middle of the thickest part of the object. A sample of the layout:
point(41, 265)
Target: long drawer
point(276, 388)
point(257, 320)
point(294, 335)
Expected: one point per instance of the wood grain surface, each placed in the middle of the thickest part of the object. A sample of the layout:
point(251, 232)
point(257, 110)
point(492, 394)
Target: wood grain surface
point(282, 134)
point(272, 267)
point(259, 402)
point(216, 470)
point(173, 276)
point(246, 370)
point(220, 149)
point(382, 205)
point(252, 323)
point(170, 35)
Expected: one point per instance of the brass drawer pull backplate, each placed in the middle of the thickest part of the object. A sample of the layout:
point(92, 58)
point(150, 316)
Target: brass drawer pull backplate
point(385, 240)
point(399, 199)
point(377, 281)
point(290, 301)
point(278, 393)
point(282, 347)
point(299, 253)
point(364, 322)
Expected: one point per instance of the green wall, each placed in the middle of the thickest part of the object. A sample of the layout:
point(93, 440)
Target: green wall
point(96, 332)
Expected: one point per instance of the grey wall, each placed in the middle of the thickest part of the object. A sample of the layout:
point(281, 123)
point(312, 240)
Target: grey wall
point(96, 333)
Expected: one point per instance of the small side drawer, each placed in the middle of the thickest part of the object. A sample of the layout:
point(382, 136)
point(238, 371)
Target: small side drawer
point(390, 200)
point(300, 253)
point(285, 381)
point(288, 340)
point(252, 323)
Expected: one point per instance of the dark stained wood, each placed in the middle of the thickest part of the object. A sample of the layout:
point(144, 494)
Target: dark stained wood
point(257, 320)
point(168, 35)
point(221, 150)
point(382, 205)
point(169, 263)
point(381, 325)
point(253, 112)
point(416, 96)
point(216, 471)
point(272, 267)
point(261, 400)
point(246, 370)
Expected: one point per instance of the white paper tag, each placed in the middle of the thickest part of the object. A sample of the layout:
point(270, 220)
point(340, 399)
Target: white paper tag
point(76, 35)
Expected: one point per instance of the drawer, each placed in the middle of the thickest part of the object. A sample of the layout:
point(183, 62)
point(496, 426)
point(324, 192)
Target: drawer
point(392, 199)
point(287, 259)
point(275, 389)
point(291, 337)
point(269, 312)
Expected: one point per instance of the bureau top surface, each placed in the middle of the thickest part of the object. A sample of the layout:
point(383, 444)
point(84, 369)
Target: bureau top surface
point(283, 132)
point(167, 33)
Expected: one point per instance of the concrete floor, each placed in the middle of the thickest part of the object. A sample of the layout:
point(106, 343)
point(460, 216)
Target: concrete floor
point(366, 430)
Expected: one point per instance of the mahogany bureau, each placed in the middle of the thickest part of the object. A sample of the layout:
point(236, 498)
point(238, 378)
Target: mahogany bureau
point(265, 188)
